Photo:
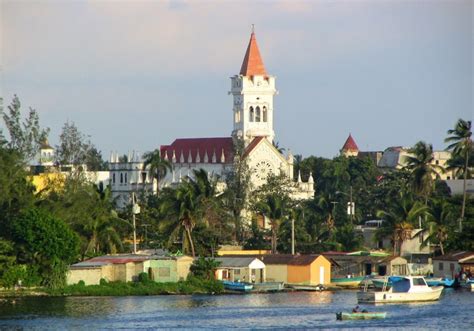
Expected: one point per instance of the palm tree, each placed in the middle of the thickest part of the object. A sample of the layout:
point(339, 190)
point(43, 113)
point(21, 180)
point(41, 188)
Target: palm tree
point(273, 207)
point(399, 219)
point(158, 166)
point(461, 144)
point(423, 171)
point(439, 224)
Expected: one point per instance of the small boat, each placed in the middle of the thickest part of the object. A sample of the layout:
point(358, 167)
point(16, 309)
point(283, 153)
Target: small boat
point(438, 281)
point(308, 287)
point(268, 287)
point(360, 316)
point(237, 286)
point(347, 281)
point(408, 289)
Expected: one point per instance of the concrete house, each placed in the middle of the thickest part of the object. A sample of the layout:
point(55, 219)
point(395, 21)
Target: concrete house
point(238, 268)
point(298, 269)
point(450, 265)
point(127, 267)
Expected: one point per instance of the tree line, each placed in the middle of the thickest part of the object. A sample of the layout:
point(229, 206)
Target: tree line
point(41, 233)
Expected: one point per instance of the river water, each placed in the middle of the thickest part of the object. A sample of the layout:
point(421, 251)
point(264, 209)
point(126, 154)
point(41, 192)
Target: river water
point(294, 310)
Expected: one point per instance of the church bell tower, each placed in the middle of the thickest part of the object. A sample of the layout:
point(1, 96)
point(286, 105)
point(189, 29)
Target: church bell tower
point(253, 90)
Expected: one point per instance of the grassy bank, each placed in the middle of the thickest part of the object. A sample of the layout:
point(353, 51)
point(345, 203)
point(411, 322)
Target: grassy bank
point(190, 286)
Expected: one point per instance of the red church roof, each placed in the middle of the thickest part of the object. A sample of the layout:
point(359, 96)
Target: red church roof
point(204, 146)
point(350, 144)
point(253, 64)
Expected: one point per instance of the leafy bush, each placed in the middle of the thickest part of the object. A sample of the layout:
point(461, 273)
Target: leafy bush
point(143, 277)
point(103, 281)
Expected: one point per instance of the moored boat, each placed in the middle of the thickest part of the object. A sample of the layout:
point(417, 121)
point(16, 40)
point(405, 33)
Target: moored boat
point(381, 281)
point(268, 287)
point(408, 289)
point(237, 286)
point(347, 281)
point(438, 281)
point(360, 316)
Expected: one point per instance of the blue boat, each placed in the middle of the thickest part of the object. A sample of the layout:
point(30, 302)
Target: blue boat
point(437, 281)
point(237, 286)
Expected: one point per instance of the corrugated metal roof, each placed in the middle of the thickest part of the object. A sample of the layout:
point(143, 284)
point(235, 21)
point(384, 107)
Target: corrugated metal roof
point(456, 256)
point(281, 258)
point(235, 262)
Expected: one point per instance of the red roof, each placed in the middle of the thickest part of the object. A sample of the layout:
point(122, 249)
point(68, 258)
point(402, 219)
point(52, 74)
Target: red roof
point(203, 146)
point(252, 145)
point(253, 64)
point(350, 144)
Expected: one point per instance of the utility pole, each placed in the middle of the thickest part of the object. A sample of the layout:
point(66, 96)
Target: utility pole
point(292, 236)
point(135, 210)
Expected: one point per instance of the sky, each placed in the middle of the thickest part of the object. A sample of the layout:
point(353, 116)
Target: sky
point(134, 75)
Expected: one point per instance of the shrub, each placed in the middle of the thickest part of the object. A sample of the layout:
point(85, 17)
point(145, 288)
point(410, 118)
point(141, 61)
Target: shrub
point(82, 283)
point(103, 281)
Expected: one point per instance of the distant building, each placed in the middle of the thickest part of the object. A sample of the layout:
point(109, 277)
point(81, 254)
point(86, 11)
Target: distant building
point(450, 265)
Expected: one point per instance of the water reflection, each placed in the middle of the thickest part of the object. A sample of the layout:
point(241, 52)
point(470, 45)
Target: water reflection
point(279, 310)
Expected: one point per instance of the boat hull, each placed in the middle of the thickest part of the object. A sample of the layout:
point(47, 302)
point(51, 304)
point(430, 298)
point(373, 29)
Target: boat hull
point(347, 282)
point(360, 316)
point(394, 297)
point(236, 286)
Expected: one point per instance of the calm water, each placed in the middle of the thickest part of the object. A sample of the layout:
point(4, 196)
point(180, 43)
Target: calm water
point(280, 310)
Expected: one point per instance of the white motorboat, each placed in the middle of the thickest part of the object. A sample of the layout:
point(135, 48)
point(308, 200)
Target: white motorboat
point(407, 289)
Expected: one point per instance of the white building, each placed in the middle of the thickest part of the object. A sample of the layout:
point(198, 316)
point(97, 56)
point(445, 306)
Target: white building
point(252, 92)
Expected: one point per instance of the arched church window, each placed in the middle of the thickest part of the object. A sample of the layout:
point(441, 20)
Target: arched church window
point(251, 114)
point(126, 178)
point(257, 114)
point(264, 113)
point(113, 178)
point(121, 178)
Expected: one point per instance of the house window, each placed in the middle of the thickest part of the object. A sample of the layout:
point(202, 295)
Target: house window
point(441, 266)
point(113, 178)
point(251, 114)
point(451, 266)
point(163, 272)
point(126, 178)
point(143, 177)
point(437, 162)
point(257, 116)
point(237, 272)
point(264, 113)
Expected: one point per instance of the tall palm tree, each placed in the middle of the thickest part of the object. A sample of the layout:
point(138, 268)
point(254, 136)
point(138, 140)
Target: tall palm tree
point(158, 166)
point(273, 207)
point(461, 144)
point(399, 219)
point(423, 170)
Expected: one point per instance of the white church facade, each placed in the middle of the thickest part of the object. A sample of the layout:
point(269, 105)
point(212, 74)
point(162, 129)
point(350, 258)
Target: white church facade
point(252, 92)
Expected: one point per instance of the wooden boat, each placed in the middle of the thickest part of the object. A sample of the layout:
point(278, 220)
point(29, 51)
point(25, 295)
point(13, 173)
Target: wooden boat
point(237, 286)
point(347, 281)
point(360, 316)
point(268, 287)
point(408, 289)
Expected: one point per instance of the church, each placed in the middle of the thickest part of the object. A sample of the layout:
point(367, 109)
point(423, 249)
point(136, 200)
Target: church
point(252, 91)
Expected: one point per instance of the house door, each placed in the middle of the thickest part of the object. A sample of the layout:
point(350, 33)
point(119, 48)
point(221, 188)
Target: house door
point(321, 275)
point(368, 269)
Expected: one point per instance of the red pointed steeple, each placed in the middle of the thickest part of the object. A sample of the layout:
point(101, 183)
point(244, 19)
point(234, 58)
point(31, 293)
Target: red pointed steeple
point(253, 64)
point(350, 144)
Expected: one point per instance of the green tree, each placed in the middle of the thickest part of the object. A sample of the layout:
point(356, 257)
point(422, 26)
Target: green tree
point(274, 208)
point(157, 166)
point(76, 149)
point(46, 241)
point(238, 185)
point(423, 170)
point(460, 145)
point(25, 136)
point(204, 268)
point(439, 226)
point(399, 219)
